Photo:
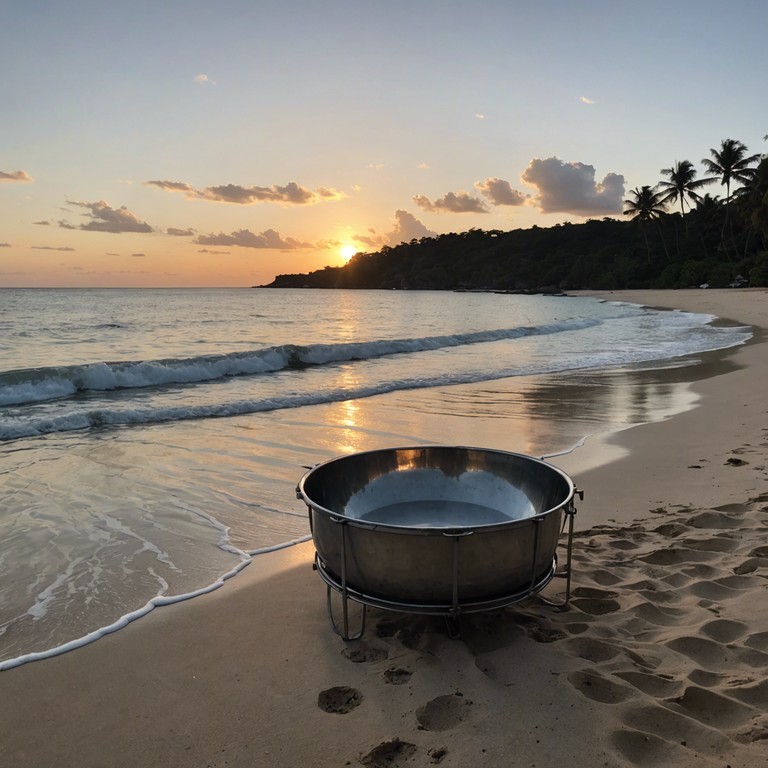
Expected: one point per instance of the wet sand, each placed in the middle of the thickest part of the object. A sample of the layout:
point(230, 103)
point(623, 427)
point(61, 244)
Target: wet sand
point(661, 659)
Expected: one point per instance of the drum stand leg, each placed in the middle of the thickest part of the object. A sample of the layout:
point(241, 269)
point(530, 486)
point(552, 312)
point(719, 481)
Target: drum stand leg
point(566, 572)
point(343, 632)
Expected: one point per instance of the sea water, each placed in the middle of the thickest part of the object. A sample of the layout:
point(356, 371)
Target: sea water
point(151, 440)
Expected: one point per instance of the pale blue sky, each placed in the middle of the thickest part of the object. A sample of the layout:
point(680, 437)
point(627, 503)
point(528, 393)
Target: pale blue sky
point(289, 129)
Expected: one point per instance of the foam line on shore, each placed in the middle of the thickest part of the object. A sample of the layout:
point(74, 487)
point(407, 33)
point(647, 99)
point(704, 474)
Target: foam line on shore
point(155, 602)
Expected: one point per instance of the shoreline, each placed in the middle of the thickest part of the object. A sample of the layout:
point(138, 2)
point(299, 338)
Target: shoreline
point(234, 677)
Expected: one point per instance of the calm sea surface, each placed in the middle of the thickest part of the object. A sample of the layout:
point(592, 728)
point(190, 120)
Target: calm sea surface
point(151, 440)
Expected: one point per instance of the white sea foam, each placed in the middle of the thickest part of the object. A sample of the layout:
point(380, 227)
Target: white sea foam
point(157, 601)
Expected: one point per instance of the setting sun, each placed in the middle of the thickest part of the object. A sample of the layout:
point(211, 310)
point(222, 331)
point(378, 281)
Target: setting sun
point(347, 252)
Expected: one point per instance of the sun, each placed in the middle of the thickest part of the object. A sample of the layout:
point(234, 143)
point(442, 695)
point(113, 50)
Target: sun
point(347, 252)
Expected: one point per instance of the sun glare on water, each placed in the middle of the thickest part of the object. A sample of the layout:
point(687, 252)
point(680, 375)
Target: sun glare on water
point(347, 252)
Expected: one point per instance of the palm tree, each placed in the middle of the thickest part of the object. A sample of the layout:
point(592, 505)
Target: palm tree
point(646, 204)
point(682, 183)
point(730, 164)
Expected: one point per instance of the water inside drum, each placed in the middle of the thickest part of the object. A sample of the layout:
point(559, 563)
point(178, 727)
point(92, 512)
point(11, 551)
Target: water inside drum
point(435, 514)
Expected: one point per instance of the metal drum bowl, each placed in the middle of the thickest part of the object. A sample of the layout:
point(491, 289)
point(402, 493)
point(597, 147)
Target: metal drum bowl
point(436, 529)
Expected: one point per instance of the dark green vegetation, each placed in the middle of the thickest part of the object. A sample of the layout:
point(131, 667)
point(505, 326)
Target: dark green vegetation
point(707, 240)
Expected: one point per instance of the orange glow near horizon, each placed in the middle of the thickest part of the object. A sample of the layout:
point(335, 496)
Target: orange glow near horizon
point(347, 252)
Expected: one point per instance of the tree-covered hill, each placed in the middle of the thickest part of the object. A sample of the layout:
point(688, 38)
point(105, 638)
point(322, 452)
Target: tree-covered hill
point(714, 242)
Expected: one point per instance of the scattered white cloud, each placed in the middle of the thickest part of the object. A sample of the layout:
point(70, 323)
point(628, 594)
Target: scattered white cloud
point(291, 193)
point(500, 192)
point(177, 232)
point(51, 248)
point(377, 166)
point(452, 202)
point(104, 218)
point(423, 166)
point(203, 79)
point(406, 228)
point(572, 188)
point(585, 100)
point(15, 176)
point(244, 238)
point(479, 115)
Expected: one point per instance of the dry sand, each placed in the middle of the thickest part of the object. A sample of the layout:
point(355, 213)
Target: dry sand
point(661, 659)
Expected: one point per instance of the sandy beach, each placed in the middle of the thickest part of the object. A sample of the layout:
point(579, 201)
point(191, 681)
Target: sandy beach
point(661, 659)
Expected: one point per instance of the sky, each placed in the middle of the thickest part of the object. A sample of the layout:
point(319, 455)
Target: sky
point(188, 143)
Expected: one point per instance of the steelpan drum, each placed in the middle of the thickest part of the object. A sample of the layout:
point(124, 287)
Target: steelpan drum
point(436, 528)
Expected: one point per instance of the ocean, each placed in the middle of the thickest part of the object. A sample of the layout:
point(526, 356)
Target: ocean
point(151, 440)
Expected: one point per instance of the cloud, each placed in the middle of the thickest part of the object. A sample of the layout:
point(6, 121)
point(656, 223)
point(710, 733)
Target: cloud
point(51, 248)
point(5, 245)
point(376, 166)
point(43, 223)
point(176, 232)
point(423, 166)
point(292, 193)
point(244, 238)
point(452, 202)
point(104, 218)
point(171, 186)
point(15, 176)
point(500, 192)
point(214, 253)
point(479, 115)
point(406, 228)
point(203, 79)
point(585, 100)
point(138, 255)
point(571, 188)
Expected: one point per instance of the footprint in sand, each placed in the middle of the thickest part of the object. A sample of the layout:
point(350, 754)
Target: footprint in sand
point(724, 630)
point(361, 653)
point(707, 679)
point(389, 754)
point(670, 530)
point(653, 685)
point(443, 712)
point(716, 657)
point(592, 650)
point(754, 694)
point(540, 631)
point(604, 578)
point(711, 590)
point(658, 616)
point(599, 688)
point(437, 755)
point(674, 728)
point(397, 676)
point(758, 640)
point(759, 552)
point(715, 544)
point(339, 700)
point(676, 556)
point(714, 519)
point(645, 749)
point(595, 602)
point(750, 565)
point(712, 709)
